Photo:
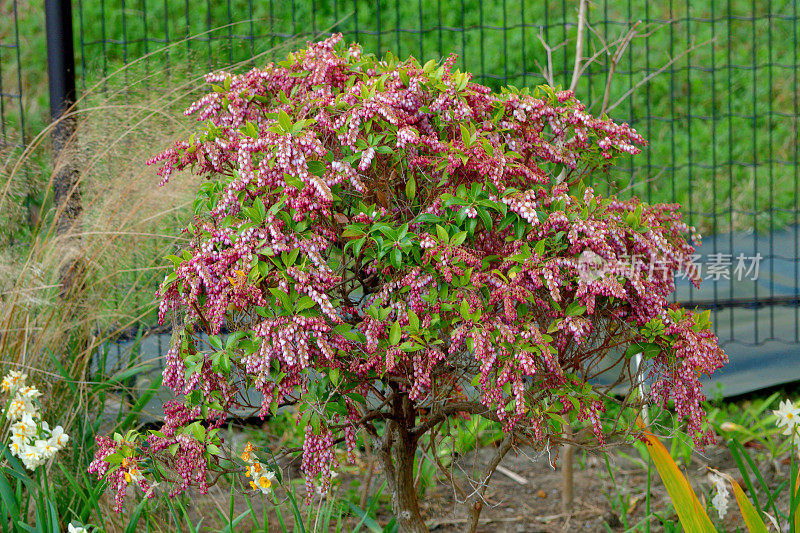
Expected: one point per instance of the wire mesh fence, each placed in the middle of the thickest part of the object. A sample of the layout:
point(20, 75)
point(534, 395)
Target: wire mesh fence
point(12, 116)
point(712, 84)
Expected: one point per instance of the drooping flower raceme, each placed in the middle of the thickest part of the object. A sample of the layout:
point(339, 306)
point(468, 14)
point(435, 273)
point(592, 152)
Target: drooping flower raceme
point(32, 440)
point(386, 239)
point(116, 460)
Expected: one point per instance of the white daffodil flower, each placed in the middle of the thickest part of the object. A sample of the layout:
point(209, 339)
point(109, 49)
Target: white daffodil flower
point(29, 392)
point(264, 481)
point(23, 428)
point(47, 449)
point(11, 380)
point(788, 416)
point(17, 408)
point(16, 447)
point(260, 478)
point(31, 458)
point(31, 439)
point(58, 438)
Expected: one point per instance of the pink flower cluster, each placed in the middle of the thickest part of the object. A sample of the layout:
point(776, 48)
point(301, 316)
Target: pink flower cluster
point(124, 471)
point(395, 224)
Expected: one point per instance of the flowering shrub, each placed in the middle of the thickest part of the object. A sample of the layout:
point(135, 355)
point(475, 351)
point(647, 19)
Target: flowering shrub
point(32, 440)
point(390, 245)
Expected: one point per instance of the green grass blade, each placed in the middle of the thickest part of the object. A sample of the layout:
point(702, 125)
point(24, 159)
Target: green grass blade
point(253, 513)
point(26, 527)
point(366, 520)
point(298, 519)
point(231, 528)
point(737, 451)
point(10, 502)
point(794, 506)
point(280, 519)
point(134, 520)
point(53, 513)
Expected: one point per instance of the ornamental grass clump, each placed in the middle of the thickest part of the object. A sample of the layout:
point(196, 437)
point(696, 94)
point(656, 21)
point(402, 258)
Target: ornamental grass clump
point(390, 245)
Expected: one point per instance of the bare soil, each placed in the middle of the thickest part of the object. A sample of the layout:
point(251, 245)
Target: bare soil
point(524, 496)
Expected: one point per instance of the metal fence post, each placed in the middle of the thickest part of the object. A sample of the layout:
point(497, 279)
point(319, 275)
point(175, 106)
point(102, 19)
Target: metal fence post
point(66, 189)
point(61, 73)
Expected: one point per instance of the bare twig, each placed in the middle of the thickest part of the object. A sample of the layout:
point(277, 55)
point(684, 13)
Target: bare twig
point(614, 60)
point(657, 72)
point(578, 46)
point(567, 477)
point(512, 475)
point(547, 73)
point(477, 496)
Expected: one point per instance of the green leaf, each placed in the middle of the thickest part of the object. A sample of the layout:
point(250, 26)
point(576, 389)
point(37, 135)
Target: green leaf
point(458, 239)
point(691, 514)
point(413, 320)
point(133, 522)
point(260, 209)
point(294, 181)
point(8, 496)
point(351, 231)
point(175, 260)
point(215, 341)
point(356, 397)
point(465, 136)
point(282, 296)
point(464, 309)
point(506, 220)
point(198, 431)
point(233, 339)
point(575, 309)
point(284, 121)
point(485, 218)
point(411, 188)
point(441, 233)
point(428, 217)
point(754, 523)
point(251, 130)
point(304, 303)
point(316, 167)
point(394, 333)
point(292, 258)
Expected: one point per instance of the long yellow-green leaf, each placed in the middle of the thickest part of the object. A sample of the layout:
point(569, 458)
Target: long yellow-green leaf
point(752, 520)
point(796, 511)
point(691, 514)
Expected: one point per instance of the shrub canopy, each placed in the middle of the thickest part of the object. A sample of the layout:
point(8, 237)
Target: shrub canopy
point(378, 233)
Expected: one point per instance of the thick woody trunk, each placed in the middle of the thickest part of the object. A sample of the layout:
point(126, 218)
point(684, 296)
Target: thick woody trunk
point(404, 499)
point(397, 452)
